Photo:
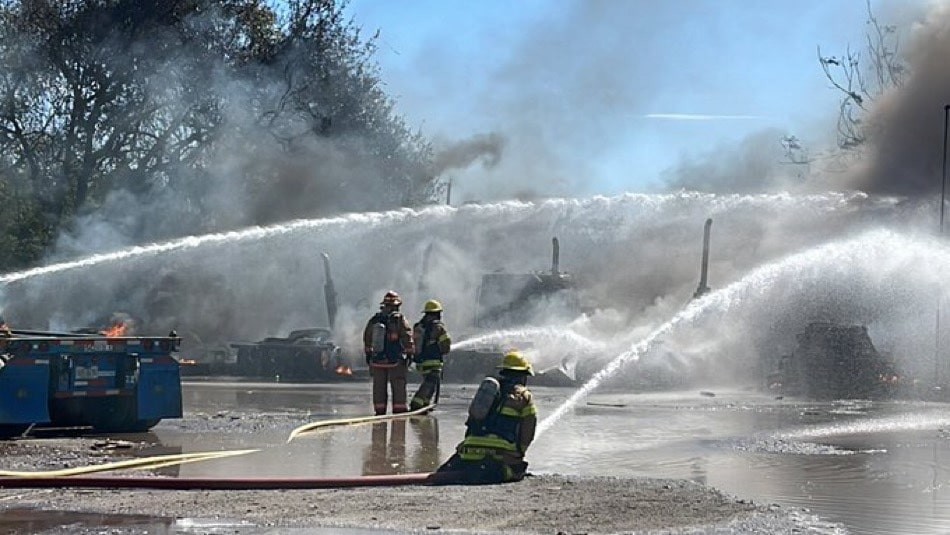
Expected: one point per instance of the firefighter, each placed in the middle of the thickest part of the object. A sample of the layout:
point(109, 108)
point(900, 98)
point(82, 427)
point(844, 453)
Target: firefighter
point(500, 427)
point(387, 344)
point(432, 343)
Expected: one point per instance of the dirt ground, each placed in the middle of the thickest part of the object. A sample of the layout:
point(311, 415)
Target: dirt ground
point(546, 504)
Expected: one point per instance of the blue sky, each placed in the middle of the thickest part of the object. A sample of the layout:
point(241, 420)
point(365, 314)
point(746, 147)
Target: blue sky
point(606, 96)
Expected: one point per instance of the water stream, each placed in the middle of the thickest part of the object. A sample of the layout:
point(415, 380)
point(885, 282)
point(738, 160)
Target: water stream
point(875, 250)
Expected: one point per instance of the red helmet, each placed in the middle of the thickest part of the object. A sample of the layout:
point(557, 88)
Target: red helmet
point(392, 299)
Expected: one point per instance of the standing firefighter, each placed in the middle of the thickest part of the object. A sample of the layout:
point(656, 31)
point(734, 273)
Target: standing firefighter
point(501, 421)
point(387, 343)
point(432, 343)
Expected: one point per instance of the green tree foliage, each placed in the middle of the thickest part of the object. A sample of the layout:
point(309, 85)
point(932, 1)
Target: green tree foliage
point(200, 114)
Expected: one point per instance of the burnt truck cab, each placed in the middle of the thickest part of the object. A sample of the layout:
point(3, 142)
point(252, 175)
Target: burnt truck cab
point(112, 384)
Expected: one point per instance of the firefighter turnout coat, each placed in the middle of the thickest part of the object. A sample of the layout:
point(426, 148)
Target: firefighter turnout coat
point(504, 436)
point(432, 343)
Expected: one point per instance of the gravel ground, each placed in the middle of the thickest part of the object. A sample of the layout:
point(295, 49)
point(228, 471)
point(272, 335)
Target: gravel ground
point(547, 504)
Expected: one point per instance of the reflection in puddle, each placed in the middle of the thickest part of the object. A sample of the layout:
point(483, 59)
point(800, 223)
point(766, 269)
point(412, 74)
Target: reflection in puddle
point(386, 452)
point(34, 521)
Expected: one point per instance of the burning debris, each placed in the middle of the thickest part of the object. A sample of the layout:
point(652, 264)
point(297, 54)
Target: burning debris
point(118, 325)
point(117, 329)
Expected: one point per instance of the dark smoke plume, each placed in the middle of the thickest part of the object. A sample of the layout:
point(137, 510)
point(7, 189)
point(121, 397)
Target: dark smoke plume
point(485, 147)
point(906, 124)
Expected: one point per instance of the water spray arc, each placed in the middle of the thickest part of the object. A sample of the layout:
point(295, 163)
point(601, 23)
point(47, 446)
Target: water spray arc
point(642, 204)
point(900, 422)
point(370, 220)
point(514, 337)
point(795, 268)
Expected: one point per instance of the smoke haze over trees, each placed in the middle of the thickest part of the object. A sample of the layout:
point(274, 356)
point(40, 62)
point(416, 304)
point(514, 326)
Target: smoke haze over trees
point(125, 121)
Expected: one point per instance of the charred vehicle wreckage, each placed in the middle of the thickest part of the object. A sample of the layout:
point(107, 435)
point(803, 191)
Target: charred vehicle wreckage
point(832, 361)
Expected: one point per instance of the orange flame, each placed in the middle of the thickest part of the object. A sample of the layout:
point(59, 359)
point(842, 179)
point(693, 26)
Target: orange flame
point(344, 370)
point(115, 331)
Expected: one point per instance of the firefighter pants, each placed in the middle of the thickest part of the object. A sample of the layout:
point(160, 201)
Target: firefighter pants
point(486, 471)
point(429, 389)
point(384, 378)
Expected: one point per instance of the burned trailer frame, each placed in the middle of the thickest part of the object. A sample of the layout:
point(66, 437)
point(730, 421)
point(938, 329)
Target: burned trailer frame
point(112, 384)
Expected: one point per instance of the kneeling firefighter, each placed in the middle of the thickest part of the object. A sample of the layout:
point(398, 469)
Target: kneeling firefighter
point(432, 343)
point(500, 427)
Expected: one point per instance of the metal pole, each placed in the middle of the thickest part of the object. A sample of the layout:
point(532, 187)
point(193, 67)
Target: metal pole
point(943, 187)
point(943, 203)
point(704, 264)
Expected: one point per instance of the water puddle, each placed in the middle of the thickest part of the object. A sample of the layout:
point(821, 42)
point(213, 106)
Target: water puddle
point(35, 521)
point(29, 521)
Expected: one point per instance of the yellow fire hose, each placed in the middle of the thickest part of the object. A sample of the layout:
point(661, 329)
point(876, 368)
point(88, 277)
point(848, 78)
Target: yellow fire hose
point(160, 461)
point(314, 426)
point(143, 462)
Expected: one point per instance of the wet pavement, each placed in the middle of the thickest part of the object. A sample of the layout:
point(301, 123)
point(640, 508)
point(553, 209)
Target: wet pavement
point(873, 467)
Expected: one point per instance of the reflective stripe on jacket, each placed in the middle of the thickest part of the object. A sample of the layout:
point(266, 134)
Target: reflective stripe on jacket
point(432, 343)
point(507, 432)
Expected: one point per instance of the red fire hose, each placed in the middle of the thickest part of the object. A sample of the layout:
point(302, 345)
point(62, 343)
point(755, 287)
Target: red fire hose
point(202, 483)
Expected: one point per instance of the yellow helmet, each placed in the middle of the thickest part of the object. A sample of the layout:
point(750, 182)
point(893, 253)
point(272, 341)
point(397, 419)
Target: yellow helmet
point(432, 306)
point(516, 362)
